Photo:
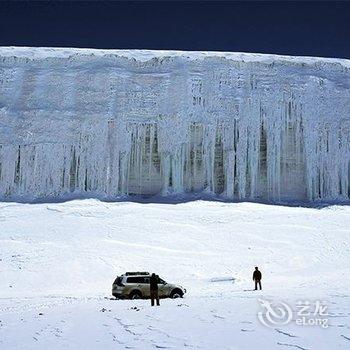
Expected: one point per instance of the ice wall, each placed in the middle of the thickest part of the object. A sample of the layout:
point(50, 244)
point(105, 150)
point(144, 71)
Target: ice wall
point(114, 122)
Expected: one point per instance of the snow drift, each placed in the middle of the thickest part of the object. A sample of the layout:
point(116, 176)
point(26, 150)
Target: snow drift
point(116, 122)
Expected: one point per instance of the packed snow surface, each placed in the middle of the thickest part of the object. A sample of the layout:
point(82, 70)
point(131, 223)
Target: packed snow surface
point(108, 123)
point(58, 262)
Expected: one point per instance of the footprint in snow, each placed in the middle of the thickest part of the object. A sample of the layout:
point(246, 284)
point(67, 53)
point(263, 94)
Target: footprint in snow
point(183, 305)
point(285, 333)
point(104, 310)
point(292, 346)
point(218, 316)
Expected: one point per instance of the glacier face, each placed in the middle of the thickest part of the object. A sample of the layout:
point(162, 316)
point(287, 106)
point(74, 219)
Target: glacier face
point(116, 122)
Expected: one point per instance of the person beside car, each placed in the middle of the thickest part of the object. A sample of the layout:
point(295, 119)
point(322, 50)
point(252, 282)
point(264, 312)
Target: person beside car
point(153, 285)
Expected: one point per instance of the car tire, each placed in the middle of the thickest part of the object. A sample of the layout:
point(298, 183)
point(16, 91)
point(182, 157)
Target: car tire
point(135, 294)
point(176, 293)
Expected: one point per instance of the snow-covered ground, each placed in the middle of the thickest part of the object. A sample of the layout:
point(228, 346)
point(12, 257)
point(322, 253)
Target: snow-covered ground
point(58, 261)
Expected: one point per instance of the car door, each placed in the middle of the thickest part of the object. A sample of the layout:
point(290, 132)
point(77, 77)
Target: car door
point(132, 283)
point(146, 287)
point(162, 288)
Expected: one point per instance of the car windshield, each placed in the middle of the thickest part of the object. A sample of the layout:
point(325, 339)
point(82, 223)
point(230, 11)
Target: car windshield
point(161, 281)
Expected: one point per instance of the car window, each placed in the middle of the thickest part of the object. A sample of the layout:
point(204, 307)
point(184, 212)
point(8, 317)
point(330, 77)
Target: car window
point(160, 281)
point(138, 280)
point(134, 279)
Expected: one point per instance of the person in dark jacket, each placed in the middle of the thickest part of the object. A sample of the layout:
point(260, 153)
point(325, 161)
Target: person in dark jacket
point(153, 285)
point(257, 278)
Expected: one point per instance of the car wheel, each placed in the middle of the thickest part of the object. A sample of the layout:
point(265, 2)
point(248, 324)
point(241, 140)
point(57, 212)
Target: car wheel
point(135, 295)
point(176, 293)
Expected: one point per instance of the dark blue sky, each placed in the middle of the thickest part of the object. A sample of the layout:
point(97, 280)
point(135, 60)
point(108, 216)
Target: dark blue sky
point(295, 28)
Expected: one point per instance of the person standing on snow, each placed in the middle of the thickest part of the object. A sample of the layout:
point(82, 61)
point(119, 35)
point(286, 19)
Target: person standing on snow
point(257, 278)
point(153, 285)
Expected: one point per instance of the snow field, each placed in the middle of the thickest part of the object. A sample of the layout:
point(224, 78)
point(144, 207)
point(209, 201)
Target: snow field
point(60, 259)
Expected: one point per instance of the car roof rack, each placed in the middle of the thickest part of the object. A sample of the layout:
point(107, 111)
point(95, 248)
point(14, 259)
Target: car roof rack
point(136, 273)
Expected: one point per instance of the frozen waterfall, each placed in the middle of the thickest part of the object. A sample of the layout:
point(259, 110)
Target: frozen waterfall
point(119, 122)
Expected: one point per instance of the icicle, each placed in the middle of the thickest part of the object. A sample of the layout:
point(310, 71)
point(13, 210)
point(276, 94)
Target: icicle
point(238, 126)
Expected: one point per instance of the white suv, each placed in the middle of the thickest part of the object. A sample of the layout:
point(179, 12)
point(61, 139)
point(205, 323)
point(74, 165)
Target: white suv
point(136, 285)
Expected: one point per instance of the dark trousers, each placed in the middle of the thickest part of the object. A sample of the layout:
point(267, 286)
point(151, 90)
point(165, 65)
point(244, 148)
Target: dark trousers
point(154, 296)
point(257, 282)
